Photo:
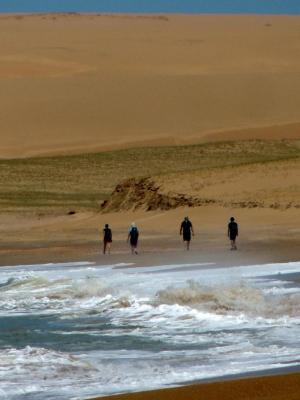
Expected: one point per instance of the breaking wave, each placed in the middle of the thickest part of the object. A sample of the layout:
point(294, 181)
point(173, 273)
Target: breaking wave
point(89, 292)
point(231, 299)
point(31, 292)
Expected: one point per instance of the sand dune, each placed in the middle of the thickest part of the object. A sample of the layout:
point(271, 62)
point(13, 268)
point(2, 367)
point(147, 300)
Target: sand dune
point(75, 83)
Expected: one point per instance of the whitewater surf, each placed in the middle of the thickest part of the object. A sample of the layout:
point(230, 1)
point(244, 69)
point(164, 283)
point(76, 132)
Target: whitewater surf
point(76, 330)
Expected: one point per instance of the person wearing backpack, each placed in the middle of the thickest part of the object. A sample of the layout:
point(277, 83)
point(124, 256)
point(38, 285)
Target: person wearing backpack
point(133, 238)
point(107, 239)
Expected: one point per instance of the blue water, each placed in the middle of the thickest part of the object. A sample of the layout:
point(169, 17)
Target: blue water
point(154, 6)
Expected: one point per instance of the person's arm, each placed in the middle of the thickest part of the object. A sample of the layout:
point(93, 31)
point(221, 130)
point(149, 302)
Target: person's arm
point(237, 230)
point(180, 232)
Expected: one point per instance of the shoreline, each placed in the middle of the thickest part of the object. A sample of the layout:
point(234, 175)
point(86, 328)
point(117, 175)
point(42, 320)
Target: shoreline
point(153, 251)
point(32, 255)
point(281, 386)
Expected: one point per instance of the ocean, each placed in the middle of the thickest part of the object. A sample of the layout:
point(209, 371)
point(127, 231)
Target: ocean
point(154, 6)
point(77, 330)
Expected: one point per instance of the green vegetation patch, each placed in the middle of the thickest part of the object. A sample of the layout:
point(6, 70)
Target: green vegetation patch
point(83, 181)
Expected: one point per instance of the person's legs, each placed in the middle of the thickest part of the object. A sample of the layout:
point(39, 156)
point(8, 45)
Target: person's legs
point(108, 247)
point(186, 244)
point(233, 245)
point(134, 249)
point(134, 244)
point(104, 246)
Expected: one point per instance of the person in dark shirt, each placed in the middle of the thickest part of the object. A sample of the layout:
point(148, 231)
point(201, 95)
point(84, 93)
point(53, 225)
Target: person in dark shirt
point(133, 238)
point(186, 230)
point(233, 232)
point(107, 239)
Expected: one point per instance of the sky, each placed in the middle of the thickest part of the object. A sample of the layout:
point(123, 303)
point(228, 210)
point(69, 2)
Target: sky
point(154, 6)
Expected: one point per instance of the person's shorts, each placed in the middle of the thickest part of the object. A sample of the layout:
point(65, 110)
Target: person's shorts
point(232, 236)
point(133, 242)
point(186, 238)
point(107, 241)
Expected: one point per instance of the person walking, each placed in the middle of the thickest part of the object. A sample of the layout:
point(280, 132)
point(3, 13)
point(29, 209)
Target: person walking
point(186, 230)
point(233, 232)
point(107, 239)
point(133, 238)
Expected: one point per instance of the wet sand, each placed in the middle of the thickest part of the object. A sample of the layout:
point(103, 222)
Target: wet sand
point(266, 236)
point(280, 387)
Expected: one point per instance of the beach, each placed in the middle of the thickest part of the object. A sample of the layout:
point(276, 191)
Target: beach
point(274, 387)
point(265, 236)
point(114, 119)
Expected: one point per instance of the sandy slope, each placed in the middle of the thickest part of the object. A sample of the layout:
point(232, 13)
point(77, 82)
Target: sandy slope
point(73, 83)
point(274, 185)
